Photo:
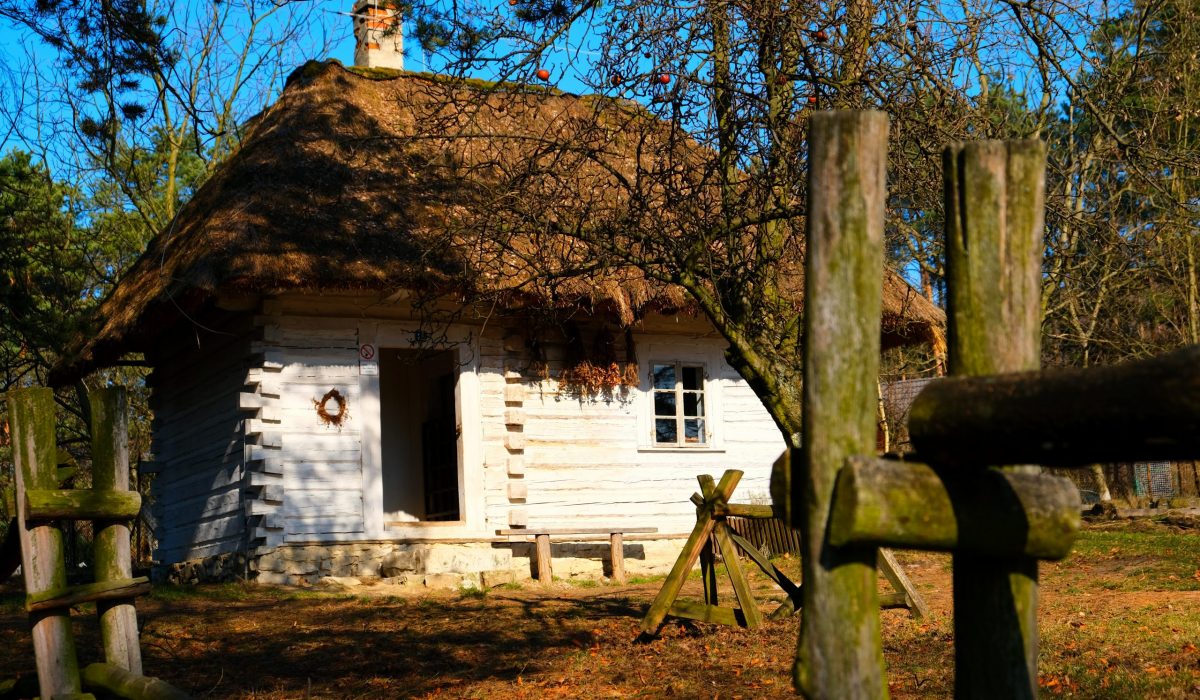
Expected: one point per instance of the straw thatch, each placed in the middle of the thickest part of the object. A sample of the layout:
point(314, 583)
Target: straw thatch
point(356, 180)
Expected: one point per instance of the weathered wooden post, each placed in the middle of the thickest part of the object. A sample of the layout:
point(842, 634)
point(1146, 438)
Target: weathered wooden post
point(994, 227)
point(840, 654)
point(35, 456)
point(616, 556)
point(110, 504)
point(110, 472)
point(1145, 410)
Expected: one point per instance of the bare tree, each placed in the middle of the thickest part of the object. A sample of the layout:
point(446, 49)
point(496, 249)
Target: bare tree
point(153, 95)
point(1122, 267)
point(126, 107)
point(737, 80)
point(712, 100)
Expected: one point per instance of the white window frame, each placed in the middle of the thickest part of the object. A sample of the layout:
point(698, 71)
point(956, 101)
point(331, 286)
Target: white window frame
point(681, 351)
point(679, 392)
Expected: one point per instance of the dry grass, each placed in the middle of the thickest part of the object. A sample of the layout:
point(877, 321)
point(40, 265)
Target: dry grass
point(1121, 618)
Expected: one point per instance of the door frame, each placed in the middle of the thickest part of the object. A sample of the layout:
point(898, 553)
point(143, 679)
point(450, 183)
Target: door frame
point(464, 345)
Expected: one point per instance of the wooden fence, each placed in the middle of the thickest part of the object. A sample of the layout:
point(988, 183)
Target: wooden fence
point(110, 505)
point(954, 494)
point(771, 536)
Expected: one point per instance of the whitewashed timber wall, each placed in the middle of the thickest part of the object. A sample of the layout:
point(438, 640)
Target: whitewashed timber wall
point(314, 467)
point(198, 443)
point(585, 462)
point(547, 458)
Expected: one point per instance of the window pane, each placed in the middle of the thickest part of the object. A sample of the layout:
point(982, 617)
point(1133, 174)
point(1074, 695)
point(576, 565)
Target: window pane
point(664, 430)
point(693, 378)
point(693, 430)
point(664, 376)
point(664, 403)
point(693, 403)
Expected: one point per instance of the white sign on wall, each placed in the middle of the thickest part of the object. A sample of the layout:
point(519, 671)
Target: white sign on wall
point(368, 362)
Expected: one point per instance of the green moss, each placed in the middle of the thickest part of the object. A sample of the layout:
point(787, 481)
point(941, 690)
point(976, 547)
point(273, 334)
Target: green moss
point(375, 73)
point(309, 70)
point(474, 83)
point(236, 591)
point(312, 69)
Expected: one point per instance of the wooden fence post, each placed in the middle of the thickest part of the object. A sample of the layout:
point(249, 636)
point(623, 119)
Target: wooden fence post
point(840, 654)
point(110, 472)
point(994, 228)
point(35, 456)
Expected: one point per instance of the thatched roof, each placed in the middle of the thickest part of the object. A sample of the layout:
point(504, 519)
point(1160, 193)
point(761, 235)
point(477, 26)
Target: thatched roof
point(358, 180)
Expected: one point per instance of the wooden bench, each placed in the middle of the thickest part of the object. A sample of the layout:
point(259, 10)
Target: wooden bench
point(541, 538)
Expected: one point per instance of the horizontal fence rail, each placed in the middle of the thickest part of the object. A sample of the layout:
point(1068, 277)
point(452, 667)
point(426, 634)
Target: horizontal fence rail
point(1139, 411)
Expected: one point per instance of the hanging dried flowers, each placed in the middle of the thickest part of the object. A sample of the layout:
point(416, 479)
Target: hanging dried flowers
point(588, 378)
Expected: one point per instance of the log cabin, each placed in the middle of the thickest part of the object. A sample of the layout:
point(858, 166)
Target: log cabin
point(355, 373)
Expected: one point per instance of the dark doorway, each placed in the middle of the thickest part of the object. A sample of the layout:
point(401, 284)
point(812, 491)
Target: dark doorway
point(419, 433)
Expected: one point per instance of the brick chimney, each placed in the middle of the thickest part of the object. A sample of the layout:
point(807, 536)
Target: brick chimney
point(374, 46)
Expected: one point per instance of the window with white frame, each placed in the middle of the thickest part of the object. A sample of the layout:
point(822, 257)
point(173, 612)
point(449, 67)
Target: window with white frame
point(677, 393)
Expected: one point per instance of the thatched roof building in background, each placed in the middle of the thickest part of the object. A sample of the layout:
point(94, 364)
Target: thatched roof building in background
point(305, 422)
point(381, 181)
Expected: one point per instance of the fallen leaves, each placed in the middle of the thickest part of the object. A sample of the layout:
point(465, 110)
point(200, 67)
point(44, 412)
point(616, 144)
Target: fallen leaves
point(1098, 641)
point(1058, 685)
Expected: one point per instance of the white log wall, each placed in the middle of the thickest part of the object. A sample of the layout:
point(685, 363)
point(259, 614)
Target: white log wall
point(317, 465)
point(198, 442)
point(538, 456)
point(586, 462)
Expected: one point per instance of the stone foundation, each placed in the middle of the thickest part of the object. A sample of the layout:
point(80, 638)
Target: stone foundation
point(428, 564)
point(231, 566)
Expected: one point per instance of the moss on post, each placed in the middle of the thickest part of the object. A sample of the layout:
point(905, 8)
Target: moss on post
point(982, 511)
point(839, 653)
point(121, 683)
point(110, 476)
point(31, 415)
point(994, 227)
point(1136, 411)
point(80, 504)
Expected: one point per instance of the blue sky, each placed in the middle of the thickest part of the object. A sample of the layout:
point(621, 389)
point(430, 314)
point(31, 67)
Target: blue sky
point(330, 27)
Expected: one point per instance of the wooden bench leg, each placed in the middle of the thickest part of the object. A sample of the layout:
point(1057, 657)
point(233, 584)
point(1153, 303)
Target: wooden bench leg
point(616, 547)
point(544, 574)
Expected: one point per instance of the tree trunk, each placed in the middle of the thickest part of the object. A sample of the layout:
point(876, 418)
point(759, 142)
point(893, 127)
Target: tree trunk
point(1101, 483)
